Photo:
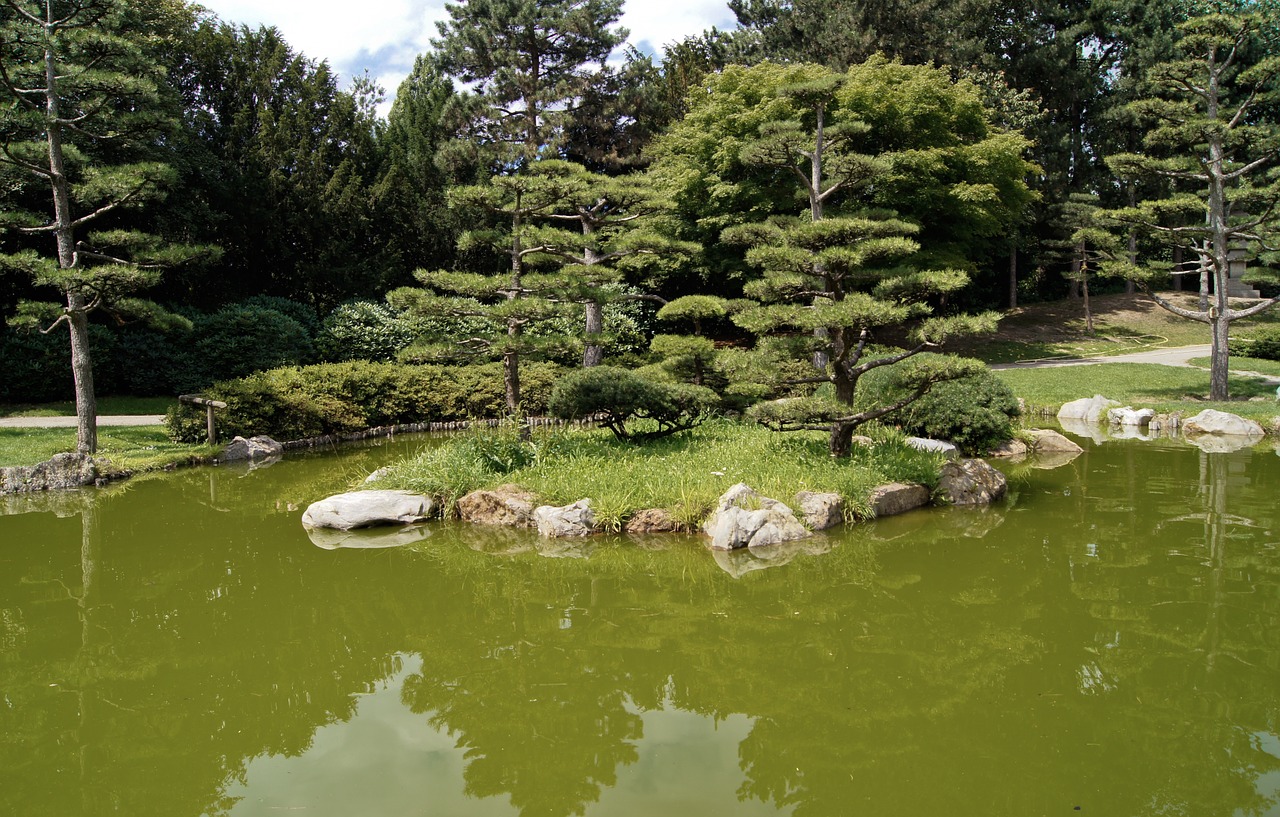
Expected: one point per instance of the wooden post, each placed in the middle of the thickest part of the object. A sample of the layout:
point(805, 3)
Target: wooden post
point(209, 406)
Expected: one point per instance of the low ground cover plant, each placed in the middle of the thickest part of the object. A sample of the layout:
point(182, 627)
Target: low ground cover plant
point(684, 474)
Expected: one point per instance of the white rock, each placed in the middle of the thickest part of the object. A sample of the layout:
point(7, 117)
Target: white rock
point(820, 511)
point(1090, 409)
point(1048, 441)
point(1128, 416)
point(743, 518)
point(1210, 421)
point(569, 520)
point(943, 447)
point(363, 509)
point(898, 497)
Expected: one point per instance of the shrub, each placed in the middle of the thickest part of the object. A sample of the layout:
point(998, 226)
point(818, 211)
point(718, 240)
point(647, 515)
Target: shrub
point(293, 403)
point(976, 413)
point(364, 330)
point(1265, 344)
point(619, 396)
point(238, 339)
point(157, 363)
point(36, 367)
point(304, 314)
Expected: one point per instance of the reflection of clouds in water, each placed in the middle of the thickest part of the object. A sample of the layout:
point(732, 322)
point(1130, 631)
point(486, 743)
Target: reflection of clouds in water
point(391, 762)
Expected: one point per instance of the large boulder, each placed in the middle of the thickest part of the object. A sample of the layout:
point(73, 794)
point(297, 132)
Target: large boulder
point(1128, 416)
point(59, 472)
point(971, 482)
point(508, 505)
point(364, 509)
point(1010, 449)
point(744, 518)
point(652, 520)
point(253, 449)
point(1048, 441)
point(1089, 409)
point(898, 497)
point(820, 510)
point(569, 520)
point(946, 449)
point(1221, 423)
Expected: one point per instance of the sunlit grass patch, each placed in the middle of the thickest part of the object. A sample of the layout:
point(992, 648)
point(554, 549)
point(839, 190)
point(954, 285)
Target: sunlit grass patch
point(125, 448)
point(684, 474)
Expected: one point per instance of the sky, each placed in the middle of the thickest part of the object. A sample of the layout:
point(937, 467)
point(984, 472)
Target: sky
point(384, 36)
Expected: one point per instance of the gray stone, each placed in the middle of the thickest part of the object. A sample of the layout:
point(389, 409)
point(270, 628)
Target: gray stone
point(508, 505)
point(652, 520)
point(569, 520)
point(971, 482)
point(363, 509)
point(1090, 409)
point(252, 449)
point(1210, 421)
point(942, 447)
point(1166, 422)
point(1048, 441)
point(820, 511)
point(1010, 449)
point(744, 518)
point(1128, 416)
point(898, 497)
point(57, 473)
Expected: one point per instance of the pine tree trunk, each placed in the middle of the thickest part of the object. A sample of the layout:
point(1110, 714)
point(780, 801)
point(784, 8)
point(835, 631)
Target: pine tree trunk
point(841, 441)
point(593, 354)
point(82, 373)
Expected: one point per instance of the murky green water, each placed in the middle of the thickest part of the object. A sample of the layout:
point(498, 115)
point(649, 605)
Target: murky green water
point(1107, 643)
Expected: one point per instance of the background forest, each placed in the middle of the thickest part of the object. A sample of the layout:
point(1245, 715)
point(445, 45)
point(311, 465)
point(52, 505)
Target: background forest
point(537, 191)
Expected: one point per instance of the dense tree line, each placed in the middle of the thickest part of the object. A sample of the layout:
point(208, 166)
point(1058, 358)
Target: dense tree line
point(209, 163)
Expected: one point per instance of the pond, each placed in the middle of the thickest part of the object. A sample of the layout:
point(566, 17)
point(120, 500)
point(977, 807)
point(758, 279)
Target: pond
point(1107, 641)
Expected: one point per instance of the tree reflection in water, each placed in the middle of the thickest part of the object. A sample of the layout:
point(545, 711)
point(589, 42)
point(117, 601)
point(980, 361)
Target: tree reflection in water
point(1108, 639)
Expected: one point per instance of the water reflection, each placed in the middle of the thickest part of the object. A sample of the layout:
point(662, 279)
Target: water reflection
point(1107, 639)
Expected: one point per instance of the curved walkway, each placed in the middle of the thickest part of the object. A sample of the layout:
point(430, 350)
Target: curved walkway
point(70, 422)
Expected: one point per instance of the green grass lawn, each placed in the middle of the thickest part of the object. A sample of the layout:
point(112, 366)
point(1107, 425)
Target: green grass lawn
point(145, 448)
point(106, 405)
point(1163, 388)
point(1240, 363)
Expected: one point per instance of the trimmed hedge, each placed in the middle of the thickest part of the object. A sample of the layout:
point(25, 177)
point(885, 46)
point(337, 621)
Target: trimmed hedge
point(294, 403)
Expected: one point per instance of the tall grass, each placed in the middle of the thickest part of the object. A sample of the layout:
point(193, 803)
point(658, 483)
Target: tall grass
point(684, 475)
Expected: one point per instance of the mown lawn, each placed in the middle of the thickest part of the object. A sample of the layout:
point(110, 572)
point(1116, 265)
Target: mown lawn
point(126, 448)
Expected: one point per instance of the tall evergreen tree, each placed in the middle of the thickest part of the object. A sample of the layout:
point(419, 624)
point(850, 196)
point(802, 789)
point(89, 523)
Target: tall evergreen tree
point(1206, 137)
point(532, 62)
point(82, 115)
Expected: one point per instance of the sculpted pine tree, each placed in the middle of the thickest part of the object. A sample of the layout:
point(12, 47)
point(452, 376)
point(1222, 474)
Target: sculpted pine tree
point(838, 279)
point(80, 116)
point(509, 302)
point(1212, 141)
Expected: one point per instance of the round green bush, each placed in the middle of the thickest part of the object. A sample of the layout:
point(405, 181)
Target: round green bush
point(237, 340)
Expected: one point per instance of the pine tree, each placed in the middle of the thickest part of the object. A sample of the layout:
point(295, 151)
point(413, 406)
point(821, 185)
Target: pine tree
point(531, 62)
point(82, 113)
point(1219, 157)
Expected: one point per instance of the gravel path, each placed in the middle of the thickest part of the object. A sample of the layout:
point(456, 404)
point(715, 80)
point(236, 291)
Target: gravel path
point(70, 422)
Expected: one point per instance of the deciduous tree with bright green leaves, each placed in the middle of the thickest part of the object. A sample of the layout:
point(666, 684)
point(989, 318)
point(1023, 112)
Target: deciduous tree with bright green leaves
point(1220, 157)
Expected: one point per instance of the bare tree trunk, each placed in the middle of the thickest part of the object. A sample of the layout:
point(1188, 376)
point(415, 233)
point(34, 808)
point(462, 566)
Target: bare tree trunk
point(1177, 266)
point(1013, 277)
point(82, 373)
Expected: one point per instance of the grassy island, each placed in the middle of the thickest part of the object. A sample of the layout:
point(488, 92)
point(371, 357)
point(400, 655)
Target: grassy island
point(684, 474)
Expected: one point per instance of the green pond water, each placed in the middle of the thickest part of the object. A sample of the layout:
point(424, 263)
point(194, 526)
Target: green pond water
point(1106, 641)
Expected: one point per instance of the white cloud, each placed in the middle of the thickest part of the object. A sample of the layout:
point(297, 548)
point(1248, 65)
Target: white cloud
point(384, 36)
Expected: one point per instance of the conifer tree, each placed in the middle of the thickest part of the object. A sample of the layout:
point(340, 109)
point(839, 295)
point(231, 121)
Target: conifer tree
point(80, 116)
point(1211, 142)
point(531, 62)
